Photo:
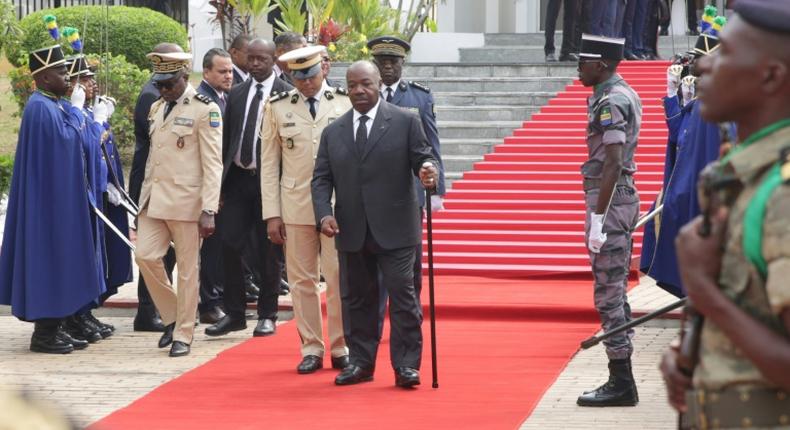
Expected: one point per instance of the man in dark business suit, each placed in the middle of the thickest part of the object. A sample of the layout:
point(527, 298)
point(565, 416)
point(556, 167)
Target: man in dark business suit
point(368, 158)
point(286, 41)
point(146, 318)
point(238, 53)
point(241, 214)
point(217, 81)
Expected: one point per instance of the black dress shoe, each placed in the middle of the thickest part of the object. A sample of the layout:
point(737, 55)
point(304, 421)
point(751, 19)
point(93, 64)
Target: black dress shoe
point(407, 377)
point(354, 375)
point(631, 56)
point(340, 362)
point(148, 321)
point(76, 328)
point(75, 343)
point(570, 57)
point(550, 58)
point(226, 325)
point(265, 327)
point(179, 349)
point(45, 339)
point(212, 316)
point(309, 364)
point(167, 336)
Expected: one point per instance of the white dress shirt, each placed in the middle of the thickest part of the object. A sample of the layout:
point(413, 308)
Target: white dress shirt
point(266, 89)
point(371, 114)
point(394, 88)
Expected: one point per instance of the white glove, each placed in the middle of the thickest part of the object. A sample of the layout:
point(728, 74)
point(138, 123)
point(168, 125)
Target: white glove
point(597, 237)
point(437, 204)
point(78, 97)
point(687, 88)
point(673, 79)
point(110, 105)
point(113, 195)
point(100, 112)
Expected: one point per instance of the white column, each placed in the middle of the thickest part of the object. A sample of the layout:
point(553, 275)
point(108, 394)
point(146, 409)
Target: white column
point(522, 17)
point(445, 17)
point(492, 16)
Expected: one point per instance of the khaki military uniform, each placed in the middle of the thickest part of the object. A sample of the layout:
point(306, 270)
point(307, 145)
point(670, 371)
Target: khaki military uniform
point(614, 118)
point(289, 144)
point(182, 179)
point(730, 391)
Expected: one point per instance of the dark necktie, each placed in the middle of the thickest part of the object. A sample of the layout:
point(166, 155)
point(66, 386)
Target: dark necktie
point(222, 103)
point(247, 139)
point(168, 108)
point(362, 133)
point(312, 101)
point(389, 94)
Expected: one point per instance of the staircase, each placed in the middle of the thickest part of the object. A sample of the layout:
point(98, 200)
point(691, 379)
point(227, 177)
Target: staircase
point(520, 211)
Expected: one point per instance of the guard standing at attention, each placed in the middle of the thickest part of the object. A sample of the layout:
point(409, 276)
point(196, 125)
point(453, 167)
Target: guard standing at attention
point(292, 126)
point(614, 118)
point(180, 194)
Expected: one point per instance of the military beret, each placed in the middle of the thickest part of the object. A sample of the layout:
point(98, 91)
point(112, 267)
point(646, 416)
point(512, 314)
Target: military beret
point(768, 15)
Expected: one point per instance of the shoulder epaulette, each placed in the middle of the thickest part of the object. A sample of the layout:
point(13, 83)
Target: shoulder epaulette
point(420, 86)
point(279, 96)
point(202, 98)
point(341, 90)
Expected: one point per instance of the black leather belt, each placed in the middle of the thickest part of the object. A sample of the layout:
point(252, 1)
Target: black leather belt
point(595, 183)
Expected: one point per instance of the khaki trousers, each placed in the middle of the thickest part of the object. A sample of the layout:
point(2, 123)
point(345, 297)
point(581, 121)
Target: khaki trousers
point(153, 240)
point(304, 248)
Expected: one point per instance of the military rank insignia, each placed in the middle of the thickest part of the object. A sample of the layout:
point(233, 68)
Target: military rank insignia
point(180, 142)
point(214, 119)
point(606, 116)
point(294, 98)
point(289, 143)
point(328, 94)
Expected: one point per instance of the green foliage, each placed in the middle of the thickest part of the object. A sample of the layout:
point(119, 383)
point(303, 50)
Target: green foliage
point(10, 32)
point(131, 32)
point(22, 86)
point(292, 17)
point(6, 170)
point(351, 46)
point(250, 12)
point(123, 81)
point(367, 17)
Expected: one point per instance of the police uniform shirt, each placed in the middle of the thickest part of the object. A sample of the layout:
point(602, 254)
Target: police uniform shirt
point(317, 97)
point(266, 89)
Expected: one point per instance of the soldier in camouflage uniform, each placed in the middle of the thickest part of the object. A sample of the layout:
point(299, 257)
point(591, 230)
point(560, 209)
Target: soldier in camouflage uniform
point(615, 116)
point(737, 277)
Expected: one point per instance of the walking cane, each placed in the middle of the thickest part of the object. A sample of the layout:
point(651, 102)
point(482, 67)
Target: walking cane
point(431, 307)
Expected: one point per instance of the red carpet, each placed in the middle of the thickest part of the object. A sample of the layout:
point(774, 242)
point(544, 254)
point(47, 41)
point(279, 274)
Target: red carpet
point(520, 211)
point(500, 347)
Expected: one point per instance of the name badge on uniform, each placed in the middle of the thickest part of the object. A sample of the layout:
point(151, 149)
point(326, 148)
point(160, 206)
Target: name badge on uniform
point(606, 116)
point(289, 124)
point(289, 143)
point(186, 122)
point(214, 119)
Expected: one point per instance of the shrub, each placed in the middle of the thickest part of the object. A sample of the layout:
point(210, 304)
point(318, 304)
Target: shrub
point(6, 170)
point(131, 31)
point(22, 86)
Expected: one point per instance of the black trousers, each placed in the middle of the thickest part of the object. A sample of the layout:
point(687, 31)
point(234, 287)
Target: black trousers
point(569, 19)
point(361, 273)
point(144, 302)
point(210, 273)
point(239, 217)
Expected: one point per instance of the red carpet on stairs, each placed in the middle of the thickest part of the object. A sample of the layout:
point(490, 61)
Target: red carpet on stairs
point(501, 344)
point(520, 211)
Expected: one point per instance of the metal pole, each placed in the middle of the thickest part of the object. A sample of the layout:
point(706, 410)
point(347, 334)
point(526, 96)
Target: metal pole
point(642, 221)
point(431, 303)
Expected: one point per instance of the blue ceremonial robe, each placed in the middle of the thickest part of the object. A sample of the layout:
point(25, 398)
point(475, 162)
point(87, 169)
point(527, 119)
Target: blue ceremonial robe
point(47, 261)
point(693, 144)
point(119, 256)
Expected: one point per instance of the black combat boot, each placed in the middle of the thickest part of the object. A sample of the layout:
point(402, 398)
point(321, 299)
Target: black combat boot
point(619, 390)
point(77, 328)
point(45, 338)
point(106, 330)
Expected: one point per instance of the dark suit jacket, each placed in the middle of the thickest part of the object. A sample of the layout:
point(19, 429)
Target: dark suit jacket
point(148, 95)
point(373, 190)
point(237, 79)
point(209, 92)
point(234, 120)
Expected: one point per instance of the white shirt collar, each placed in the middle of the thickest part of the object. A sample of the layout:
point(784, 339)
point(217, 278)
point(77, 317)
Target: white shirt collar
point(243, 74)
point(371, 114)
point(393, 86)
point(267, 83)
point(324, 88)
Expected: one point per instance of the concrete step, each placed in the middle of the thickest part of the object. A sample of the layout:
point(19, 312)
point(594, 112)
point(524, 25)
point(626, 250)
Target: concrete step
point(418, 71)
point(485, 113)
point(458, 164)
point(475, 147)
point(473, 129)
point(496, 84)
point(460, 97)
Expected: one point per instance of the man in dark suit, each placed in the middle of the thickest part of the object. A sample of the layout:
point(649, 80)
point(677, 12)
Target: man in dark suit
point(241, 213)
point(286, 41)
point(217, 81)
point(368, 158)
point(238, 53)
point(146, 318)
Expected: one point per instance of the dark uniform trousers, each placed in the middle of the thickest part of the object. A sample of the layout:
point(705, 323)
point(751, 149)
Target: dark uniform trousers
point(241, 215)
point(210, 273)
point(361, 275)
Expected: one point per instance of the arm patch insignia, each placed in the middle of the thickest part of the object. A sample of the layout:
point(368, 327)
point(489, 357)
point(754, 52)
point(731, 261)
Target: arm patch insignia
point(606, 116)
